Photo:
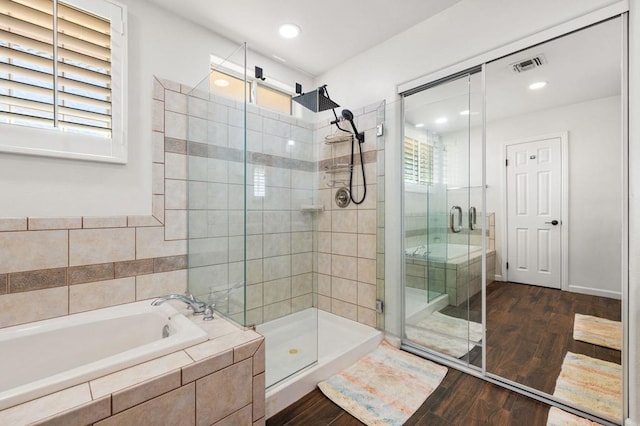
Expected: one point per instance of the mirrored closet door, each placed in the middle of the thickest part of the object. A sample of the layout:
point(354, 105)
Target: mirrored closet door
point(515, 187)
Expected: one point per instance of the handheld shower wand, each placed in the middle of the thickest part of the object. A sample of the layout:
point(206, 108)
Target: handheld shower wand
point(348, 115)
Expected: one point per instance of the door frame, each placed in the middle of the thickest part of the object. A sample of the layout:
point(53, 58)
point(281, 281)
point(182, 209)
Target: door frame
point(564, 203)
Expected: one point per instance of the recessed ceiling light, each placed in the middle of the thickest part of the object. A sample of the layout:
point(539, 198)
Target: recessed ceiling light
point(420, 125)
point(441, 120)
point(291, 142)
point(221, 82)
point(289, 30)
point(537, 85)
point(465, 112)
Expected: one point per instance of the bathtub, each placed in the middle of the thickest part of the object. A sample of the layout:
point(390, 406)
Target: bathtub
point(47, 356)
point(443, 252)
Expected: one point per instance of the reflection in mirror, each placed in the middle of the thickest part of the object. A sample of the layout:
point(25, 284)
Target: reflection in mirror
point(553, 313)
point(443, 242)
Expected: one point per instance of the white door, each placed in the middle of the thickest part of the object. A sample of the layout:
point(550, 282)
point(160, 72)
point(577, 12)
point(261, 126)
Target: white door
point(534, 200)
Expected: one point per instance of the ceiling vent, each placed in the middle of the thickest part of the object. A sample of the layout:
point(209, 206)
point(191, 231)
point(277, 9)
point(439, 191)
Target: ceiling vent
point(529, 63)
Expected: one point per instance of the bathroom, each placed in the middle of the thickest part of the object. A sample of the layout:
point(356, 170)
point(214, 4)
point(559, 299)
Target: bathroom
point(83, 234)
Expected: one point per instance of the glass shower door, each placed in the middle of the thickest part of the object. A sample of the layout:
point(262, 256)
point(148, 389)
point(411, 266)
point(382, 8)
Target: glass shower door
point(441, 279)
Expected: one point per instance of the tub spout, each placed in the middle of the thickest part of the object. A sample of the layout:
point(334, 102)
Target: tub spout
point(197, 306)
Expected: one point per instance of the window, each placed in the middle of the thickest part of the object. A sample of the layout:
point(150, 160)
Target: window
point(230, 86)
point(62, 79)
point(418, 162)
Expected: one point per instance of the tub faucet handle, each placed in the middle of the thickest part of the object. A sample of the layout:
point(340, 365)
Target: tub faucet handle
point(208, 312)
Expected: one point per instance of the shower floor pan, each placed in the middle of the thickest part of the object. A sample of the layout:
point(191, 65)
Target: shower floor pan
point(292, 344)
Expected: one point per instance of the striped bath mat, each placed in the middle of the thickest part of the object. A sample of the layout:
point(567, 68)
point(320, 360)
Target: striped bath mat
point(445, 334)
point(385, 387)
point(592, 385)
point(557, 417)
point(599, 331)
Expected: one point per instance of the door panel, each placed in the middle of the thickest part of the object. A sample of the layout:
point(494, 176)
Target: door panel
point(534, 182)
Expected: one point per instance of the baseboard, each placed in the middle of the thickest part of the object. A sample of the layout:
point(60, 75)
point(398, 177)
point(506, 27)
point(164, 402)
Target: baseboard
point(498, 277)
point(630, 422)
point(595, 292)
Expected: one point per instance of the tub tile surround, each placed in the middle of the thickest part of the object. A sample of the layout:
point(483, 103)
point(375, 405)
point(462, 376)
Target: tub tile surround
point(182, 388)
point(67, 265)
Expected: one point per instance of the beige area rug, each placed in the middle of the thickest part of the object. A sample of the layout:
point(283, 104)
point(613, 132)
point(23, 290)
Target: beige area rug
point(385, 387)
point(592, 385)
point(445, 334)
point(599, 331)
point(558, 417)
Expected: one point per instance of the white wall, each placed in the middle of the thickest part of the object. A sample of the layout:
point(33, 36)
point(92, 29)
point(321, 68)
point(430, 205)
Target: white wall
point(158, 44)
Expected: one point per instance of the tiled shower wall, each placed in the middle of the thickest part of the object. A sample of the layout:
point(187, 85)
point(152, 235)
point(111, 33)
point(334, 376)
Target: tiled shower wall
point(347, 237)
point(57, 266)
point(280, 182)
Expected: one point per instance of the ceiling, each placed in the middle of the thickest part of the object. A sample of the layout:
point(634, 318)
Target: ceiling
point(581, 66)
point(332, 30)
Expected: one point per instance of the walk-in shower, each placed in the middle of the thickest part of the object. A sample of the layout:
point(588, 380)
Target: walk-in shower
point(256, 204)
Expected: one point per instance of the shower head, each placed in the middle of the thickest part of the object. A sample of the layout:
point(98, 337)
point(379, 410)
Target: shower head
point(316, 101)
point(347, 115)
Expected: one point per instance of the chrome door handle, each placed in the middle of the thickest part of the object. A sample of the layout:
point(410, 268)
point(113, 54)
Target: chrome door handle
point(553, 222)
point(452, 213)
point(472, 218)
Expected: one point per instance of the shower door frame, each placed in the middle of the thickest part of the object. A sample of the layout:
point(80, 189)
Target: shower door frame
point(617, 10)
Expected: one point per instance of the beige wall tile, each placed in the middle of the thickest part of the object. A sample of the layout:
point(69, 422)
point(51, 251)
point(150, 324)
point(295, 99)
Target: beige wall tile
point(344, 309)
point(213, 405)
point(176, 408)
point(46, 406)
point(43, 304)
point(344, 244)
point(150, 242)
point(142, 372)
point(176, 166)
point(157, 178)
point(324, 263)
point(169, 263)
point(240, 417)
point(246, 350)
point(89, 222)
point(13, 224)
point(301, 302)
point(344, 221)
point(157, 147)
point(301, 263)
point(176, 194)
point(158, 90)
point(212, 347)
point(31, 250)
point(344, 267)
point(175, 225)
point(367, 316)
point(89, 246)
point(324, 303)
point(258, 359)
point(3, 284)
point(259, 422)
point(206, 366)
point(301, 284)
point(367, 271)
point(157, 123)
point(258, 396)
point(85, 414)
point(144, 391)
point(175, 125)
point(43, 224)
point(143, 220)
point(324, 242)
point(276, 310)
point(324, 284)
point(367, 295)
point(366, 221)
point(100, 294)
point(161, 284)
point(157, 207)
point(345, 290)
point(367, 246)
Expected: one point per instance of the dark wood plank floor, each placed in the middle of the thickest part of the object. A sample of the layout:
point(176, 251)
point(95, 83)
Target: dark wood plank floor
point(529, 330)
point(460, 399)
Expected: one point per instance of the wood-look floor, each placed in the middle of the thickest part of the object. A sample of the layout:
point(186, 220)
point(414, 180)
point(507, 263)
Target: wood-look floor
point(529, 330)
